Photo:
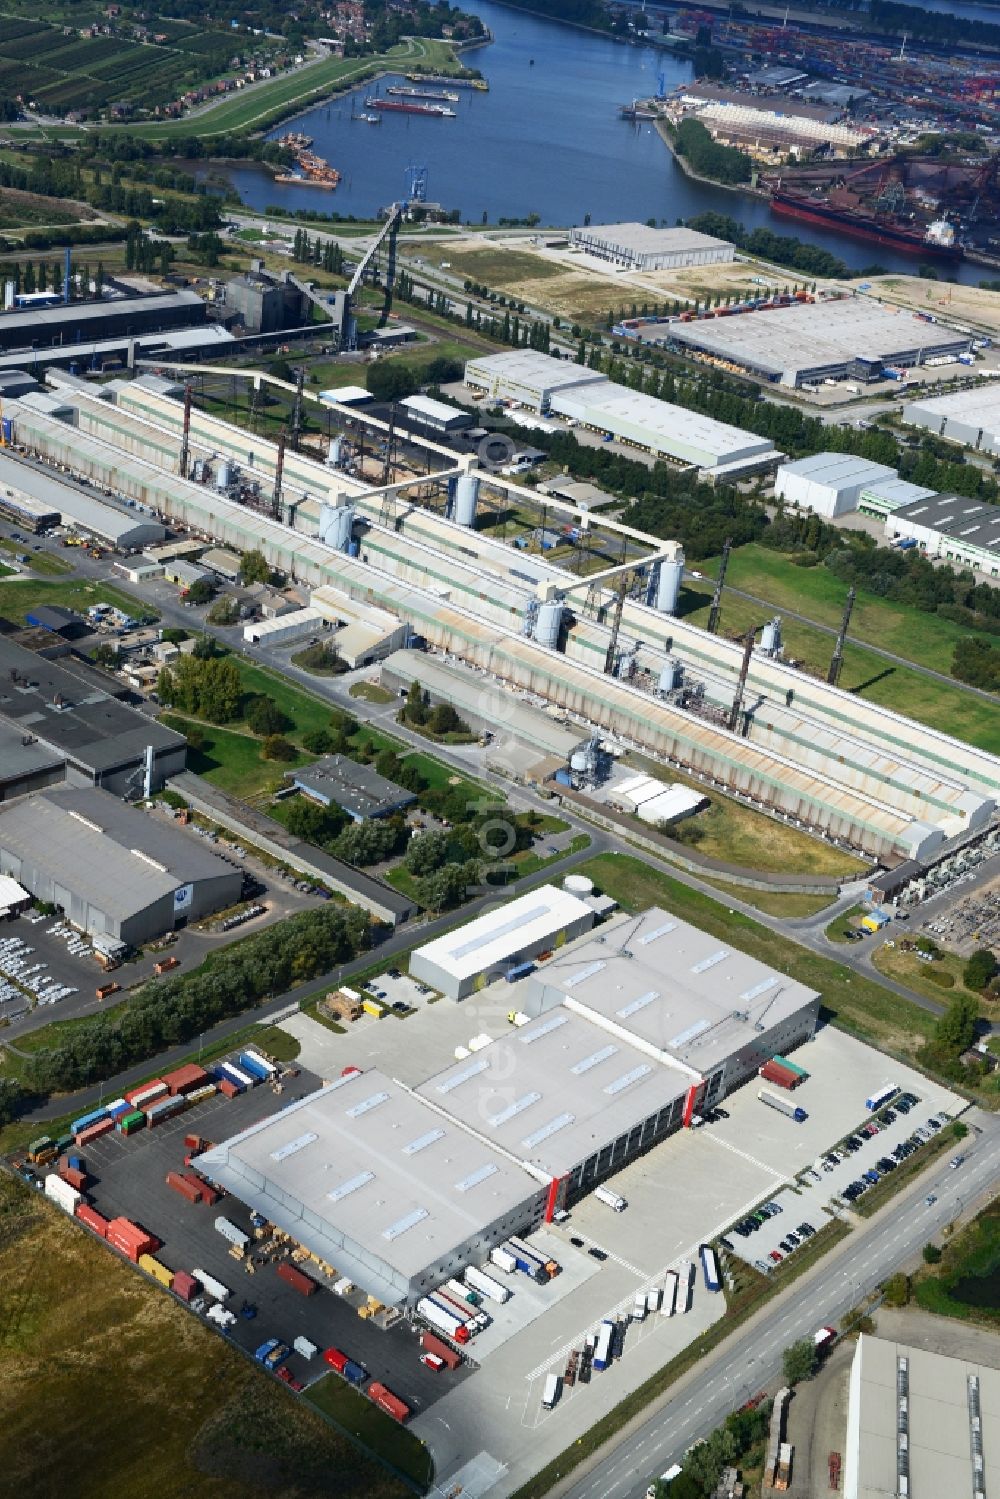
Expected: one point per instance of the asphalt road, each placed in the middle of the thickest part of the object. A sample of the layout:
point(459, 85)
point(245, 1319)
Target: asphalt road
point(751, 1358)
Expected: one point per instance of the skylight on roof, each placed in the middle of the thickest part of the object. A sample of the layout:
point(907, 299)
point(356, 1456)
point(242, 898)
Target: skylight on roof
point(710, 962)
point(403, 1225)
point(473, 1180)
point(594, 1060)
point(627, 1079)
point(553, 1126)
point(517, 1107)
point(346, 1188)
point(293, 1146)
point(552, 1024)
point(458, 1078)
point(638, 1004)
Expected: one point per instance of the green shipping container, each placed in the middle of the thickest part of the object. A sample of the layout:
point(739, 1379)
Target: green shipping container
point(791, 1066)
point(44, 1142)
point(129, 1123)
point(65, 1142)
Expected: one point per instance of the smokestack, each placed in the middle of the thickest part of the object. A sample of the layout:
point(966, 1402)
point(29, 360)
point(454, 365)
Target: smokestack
point(147, 779)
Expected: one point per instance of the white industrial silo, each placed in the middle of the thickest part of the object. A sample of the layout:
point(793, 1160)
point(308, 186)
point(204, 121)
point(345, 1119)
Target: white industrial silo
point(670, 675)
point(671, 573)
point(335, 523)
point(466, 499)
point(770, 637)
point(548, 624)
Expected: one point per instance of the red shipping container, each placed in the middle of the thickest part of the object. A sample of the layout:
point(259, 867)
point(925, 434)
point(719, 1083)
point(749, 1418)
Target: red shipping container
point(186, 1078)
point(74, 1178)
point(92, 1218)
point(304, 1284)
point(431, 1344)
point(335, 1359)
point(134, 1093)
point(188, 1189)
point(388, 1402)
point(184, 1285)
point(94, 1131)
point(777, 1075)
point(226, 1088)
point(209, 1194)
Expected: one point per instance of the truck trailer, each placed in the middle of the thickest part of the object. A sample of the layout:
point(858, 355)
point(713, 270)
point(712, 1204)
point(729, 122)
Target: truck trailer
point(602, 1348)
point(710, 1268)
point(610, 1199)
point(486, 1285)
point(669, 1303)
point(783, 1106)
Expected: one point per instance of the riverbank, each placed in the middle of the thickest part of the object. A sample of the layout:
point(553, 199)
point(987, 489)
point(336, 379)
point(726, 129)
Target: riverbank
point(663, 131)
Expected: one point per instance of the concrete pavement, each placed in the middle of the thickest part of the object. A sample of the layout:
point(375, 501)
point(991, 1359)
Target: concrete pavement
point(751, 1358)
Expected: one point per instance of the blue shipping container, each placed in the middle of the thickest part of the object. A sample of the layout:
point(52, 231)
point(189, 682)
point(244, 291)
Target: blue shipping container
point(254, 1068)
point(87, 1119)
point(222, 1073)
point(519, 971)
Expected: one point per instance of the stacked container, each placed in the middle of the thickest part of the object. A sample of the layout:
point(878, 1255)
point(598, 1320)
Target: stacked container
point(792, 1067)
point(207, 1090)
point(164, 1108)
point(254, 1057)
point(183, 1184)
point(432, 1344)
point(147, 1093)
point(62, 1194)
point(92, 1219)
point(74, 1178)
point(86, 1120)
point(212, 1286)
point(129, 1123)
point(95, 1131)
point(226, 1086)
point(781, 1075)
point(243, 1080)
point(130, 1239)
point(119, 1109)
point(185, 1079)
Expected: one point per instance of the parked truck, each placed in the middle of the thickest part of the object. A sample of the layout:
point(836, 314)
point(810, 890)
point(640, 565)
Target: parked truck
point(669, 1303)
point(271, 1354)
point(449, 1322)
point(504, 1259)
point(783, 1106)
point(550, 1391)
point(602, 1348)
point(486, 1285)
point(685, 1275)
point(710, 1268)
point(639, 1307)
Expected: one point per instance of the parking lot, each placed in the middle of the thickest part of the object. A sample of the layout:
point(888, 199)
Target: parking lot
point(44, 963)
point(129, 1179)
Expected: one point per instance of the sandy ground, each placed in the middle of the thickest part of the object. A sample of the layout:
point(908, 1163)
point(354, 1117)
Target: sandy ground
point(966, 303)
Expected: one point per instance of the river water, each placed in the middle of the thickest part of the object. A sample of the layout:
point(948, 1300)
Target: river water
point(545, 139)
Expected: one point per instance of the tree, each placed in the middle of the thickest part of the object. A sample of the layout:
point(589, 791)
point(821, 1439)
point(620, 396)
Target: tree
point(201, 592)
point(277, 748)
point(980, 970)
point(444, 720)
point(173, 635)
point(416, 708)
point(391, 380)
point(107, 655)
point(255, 568)
point(312, 822)
point(224, 611)
point(799, 1361)
point(932, 1254)
point(956, 1030)
point(318, 741)
point(388, 764)
point(265, 718)
point(447, 886)
point(897, 1289)
point(426, 852)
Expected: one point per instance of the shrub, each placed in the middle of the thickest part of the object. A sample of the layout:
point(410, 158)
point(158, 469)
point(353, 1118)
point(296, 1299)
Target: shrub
point(897, 1290)
point(941, 977)
point(277, 748)
point(932, 1254)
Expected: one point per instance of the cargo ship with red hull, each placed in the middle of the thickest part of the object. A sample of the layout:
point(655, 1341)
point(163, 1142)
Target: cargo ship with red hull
point(914, 241)
point(407, 107)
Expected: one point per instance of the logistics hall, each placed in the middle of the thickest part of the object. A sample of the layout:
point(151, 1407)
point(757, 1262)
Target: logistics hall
point(622, 1036)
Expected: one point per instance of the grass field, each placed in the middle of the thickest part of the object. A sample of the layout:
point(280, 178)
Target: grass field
point(906, 968)
point(232, 760)
point(256, 107)
point(358, 1415)
point(925, 639)
point(737, 834)
point(773, 902)
point(577, 294)
point(18, 597)
point(149, 1401)
point(964, 1284)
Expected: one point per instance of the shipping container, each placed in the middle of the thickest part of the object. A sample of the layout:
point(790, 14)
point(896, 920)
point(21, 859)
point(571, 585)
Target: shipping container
point(211, 1286)
point(129, 1123)
point(791, 1066)
point(431, 1343)
point(296, 1278)
point(602, 1350)
point(155, 1088)
point(339, 1361)
point(486, 1285)
point(669, 1303)
point(95, 1131)
point(76, 1179)
point(304, 1347)
point(550, 1390)
point(182, 1184)
point(198, 1095)
point(209, 1194)
point(388, 1402)
point(92, 1219)
point(185, 1078)
point(254, 1055)
point(230, 1231)
point(772, 1073)
point(709, 1268)
point(62, 1194)
point(256, 1069)
point(164, 1108)
point(503, 1259)
point(184, 1285)
point(228, 1088)
point(460, 1308)
point(87, 1119)
point(156, 1269)
point(118, 1108)
point(243, 1079)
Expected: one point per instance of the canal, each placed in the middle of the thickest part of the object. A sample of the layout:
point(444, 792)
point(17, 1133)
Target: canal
point(546, 139)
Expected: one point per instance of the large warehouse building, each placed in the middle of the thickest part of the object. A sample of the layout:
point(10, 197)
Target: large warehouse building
point(99, 740)
point(920, 1424)
point(830, 484)
point(374, 1180)
point(969, 417)
point(637, 247)
point(121, 529)
point(400, 1188)
point(853, 339)
point(43, 327)
point(836, 761)
point(535, 381)
point(468, 959)
point(952, 527)
point(111, 869)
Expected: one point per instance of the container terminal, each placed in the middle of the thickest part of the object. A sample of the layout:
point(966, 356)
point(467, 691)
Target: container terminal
point(607, 649)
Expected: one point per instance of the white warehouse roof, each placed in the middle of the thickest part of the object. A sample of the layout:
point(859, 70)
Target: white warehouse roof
point(685, 435)
point(829, 483)
point(122, 529)
point(498, 935)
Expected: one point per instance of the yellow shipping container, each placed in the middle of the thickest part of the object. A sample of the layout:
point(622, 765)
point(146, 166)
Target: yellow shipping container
point(372, 1007)
point(870, 923)
point(156, 1270)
